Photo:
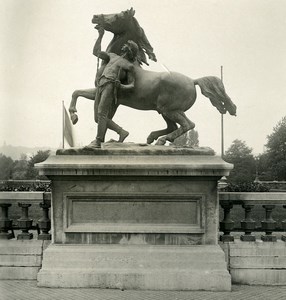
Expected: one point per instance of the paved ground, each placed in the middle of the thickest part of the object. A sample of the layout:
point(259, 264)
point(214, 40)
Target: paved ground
point(22, 290)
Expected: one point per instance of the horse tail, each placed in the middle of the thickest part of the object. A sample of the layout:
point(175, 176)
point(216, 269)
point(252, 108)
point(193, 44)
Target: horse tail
point(213, 88)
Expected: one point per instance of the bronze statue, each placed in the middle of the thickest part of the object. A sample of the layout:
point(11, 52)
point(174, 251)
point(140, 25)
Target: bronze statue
point(169, 93)
point(125, 27)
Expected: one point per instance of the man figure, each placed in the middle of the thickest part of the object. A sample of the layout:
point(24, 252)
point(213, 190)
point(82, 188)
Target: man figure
point(115, 70)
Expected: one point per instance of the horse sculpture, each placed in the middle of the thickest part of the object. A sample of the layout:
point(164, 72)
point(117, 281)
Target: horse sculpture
point(168, 93)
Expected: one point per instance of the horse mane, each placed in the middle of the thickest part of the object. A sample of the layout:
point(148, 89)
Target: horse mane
point(143, 43)
point(135, 33)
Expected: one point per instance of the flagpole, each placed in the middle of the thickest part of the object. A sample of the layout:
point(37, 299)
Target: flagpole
point(63, 125)
point(222, 128)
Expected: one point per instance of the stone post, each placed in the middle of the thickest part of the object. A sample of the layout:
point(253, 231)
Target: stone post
point(248, 224)
point(5, 222)
point(283, 238)
point(227, 224)
point(268, 225)
point(25, 223)
point(45, 222)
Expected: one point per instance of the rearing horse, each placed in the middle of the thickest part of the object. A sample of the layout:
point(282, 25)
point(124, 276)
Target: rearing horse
point(168, 93)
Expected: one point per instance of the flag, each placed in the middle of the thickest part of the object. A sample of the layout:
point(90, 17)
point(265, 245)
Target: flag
point(67, 128)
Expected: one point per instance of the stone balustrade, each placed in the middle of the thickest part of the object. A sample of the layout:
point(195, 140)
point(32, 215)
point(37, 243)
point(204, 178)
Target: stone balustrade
point(23, 201)
point(258, 257)
point(270, 202)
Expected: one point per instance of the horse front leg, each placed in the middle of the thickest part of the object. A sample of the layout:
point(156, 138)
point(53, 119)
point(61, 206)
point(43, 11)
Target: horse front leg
point(86, 93)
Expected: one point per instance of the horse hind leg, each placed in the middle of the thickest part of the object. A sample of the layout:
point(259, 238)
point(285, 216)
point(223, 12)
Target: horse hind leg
point(154, 135)
point(183, 121)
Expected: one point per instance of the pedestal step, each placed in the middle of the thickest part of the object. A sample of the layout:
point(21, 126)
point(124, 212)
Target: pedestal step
point(258, 263)
point(135, 267)
point(20, 259)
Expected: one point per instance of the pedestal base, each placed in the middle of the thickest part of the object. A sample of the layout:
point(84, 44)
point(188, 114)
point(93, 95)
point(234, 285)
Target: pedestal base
point(135, 218)
point(6, 235)
point(45, 236)
point(135, 267)
point(269, 238)
point(248, 238)
point(25, 236)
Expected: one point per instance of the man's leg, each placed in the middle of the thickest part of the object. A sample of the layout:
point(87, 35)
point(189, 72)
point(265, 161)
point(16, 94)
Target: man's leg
point(115, 127)
point(104, 107)
point(110, 124)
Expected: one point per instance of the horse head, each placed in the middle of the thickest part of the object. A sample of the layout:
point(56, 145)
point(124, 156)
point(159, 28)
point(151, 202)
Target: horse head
point(125, 27)
point(115, 23)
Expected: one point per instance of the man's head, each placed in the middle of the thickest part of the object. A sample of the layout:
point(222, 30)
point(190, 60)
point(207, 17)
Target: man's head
point(130, 49)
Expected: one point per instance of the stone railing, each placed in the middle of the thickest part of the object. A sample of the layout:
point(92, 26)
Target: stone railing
point(24, 202)
point(271, 202)
point(20, 203)
point(275, 186)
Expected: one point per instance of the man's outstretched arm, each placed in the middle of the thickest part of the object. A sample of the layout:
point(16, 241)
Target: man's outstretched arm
point(97, 46)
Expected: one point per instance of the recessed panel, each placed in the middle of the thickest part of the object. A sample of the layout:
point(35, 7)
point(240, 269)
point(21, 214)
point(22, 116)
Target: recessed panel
point(151, 212)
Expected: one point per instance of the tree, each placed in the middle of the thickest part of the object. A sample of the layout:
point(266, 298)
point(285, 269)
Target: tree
point(189, 139)
point(6, 167)
point(32, 173)
point(263, 170)
point(276, 150)
point(20, 168)
point(240, 155)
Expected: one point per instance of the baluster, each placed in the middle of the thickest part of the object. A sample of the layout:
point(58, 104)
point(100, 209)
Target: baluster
point(5, 222)
point(25, 223)
point(283, 238)
point(227, 224)
point(45, 222)
point(268, 225)
point(248, 224)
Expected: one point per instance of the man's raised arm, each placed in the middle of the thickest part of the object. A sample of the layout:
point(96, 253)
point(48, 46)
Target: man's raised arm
point(97, 46)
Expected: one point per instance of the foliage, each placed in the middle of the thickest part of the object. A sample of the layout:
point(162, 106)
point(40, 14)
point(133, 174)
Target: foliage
point(263, 167)
point(20, 168)
point(276, 151)
point(23, 168)
point(246, 187)
point(32, 173)
point(6, 167)
point(189, 139)
point(24, 186)
point(240, 155)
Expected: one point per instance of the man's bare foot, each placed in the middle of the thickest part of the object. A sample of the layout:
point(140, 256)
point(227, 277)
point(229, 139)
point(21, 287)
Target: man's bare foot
point(123, 134)
point(94, 144)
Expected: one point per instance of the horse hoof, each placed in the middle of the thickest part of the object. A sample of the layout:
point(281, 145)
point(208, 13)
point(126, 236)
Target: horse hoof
point(150, 140)
point(74, 118)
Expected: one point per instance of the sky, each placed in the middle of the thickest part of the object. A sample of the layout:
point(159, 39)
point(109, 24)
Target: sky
point(46, 52)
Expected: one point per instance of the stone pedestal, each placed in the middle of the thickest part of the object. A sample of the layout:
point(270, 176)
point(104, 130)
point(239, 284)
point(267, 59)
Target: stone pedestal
point(135, 219)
